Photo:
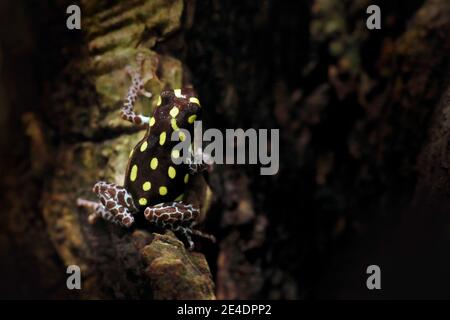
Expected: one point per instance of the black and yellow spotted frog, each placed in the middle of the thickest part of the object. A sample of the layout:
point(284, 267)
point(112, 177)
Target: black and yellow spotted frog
point(154, 184)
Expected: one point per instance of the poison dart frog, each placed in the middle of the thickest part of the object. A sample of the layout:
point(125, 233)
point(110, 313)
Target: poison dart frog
point(154, 185)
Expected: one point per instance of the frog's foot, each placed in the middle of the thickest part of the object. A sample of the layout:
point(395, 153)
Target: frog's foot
point(201, 234)
point(151, 74)
point(177, 216)
point(187, 232)
point(198, 162)
point(97, 211)
point(117, 201)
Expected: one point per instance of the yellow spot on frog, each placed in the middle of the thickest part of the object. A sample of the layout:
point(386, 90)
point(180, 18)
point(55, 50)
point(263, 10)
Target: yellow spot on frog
point(182, 136)
point(142, 201)
point(162, 191)
point(154, 163)
point(192, 118)
point(175, 154)
point(174, 112)
point(178, 93)
point(152, 121)
point(158, 103)
point(146, 186)
point(172, 172)
point(133, 173)
point(186, 178)
point(180, 197)
point(194, 100)
point(144, 146)
point(162, 138)
point(173, 122)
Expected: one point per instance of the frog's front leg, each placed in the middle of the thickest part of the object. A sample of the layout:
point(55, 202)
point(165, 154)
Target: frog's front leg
point(199, 161)
point(177, 216)
point(136, 89)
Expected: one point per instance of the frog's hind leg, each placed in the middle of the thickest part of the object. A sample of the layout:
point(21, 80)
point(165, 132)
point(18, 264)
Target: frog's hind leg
point(116, 201)
point(97, 211)
point(177, 216)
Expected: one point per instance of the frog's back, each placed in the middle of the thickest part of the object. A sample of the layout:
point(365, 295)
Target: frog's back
point(151, 176)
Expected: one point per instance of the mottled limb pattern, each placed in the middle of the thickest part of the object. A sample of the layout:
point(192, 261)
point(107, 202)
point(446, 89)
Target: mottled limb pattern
point(117, 201)
point(198, 162)
point(98, 211)
point(178, 217)
point(136, 89)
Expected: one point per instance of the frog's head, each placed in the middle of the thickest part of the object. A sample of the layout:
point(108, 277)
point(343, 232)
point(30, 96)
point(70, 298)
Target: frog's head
point(180, 107)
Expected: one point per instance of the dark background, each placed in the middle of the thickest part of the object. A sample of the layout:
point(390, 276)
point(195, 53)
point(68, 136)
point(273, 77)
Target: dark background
point(364, 165)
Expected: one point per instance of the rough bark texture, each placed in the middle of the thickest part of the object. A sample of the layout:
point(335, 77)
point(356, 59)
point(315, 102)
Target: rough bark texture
point(364, 166)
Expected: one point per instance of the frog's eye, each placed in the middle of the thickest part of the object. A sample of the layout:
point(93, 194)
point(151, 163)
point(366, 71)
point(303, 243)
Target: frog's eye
point(194, 111)
point(165, 98)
